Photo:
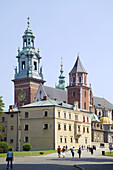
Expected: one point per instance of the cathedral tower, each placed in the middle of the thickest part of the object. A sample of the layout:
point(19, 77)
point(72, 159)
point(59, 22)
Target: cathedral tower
point(78, 89)
point(28, 75)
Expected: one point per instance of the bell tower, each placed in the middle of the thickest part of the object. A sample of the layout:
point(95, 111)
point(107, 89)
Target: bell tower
point(28, 74)
point(78, 89)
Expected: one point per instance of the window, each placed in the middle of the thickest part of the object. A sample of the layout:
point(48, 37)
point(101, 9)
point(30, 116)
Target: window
point(97, 125)
point(23, 65)
point(26, 127)
point(74, 94)
point(59, 127)
point(35, 65)
point(12, 127)
point(45, 126)
point(71, 139)
point(87, 119)
point(76, 140)
point(73, 79)
point(64, 127)
point(87, 129)
point(11, 140)
point(69, 116)
point(86, 140)
point(84, 105)
point(65, 140)
point(60, 139)
point(58, 114)
point(3, 130)
point(3, 119)
point(25, 42)
point(79, 79)
point(83, 118)
point(64, 115)
point(85, 80)
point(26, 139)
point(46, 113)
point(76, 117)
point(69, 127)
point(29, 42)
point(85, 94)
point(12, 115)
point(26, 114)
point(83, 129)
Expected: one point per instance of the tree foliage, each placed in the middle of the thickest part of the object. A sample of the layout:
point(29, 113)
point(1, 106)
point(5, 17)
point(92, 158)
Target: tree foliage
point(27, 147)
point(2, 105)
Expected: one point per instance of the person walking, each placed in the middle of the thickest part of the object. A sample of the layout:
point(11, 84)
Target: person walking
point(10, 158)
point(79, 152)
point(63, 151)
point(73, 151)
point(59, 151)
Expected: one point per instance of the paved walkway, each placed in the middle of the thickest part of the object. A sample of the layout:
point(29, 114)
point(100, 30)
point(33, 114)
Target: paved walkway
point(52, 162)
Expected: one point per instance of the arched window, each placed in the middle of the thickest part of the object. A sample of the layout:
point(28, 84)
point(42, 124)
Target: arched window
point(84, 105)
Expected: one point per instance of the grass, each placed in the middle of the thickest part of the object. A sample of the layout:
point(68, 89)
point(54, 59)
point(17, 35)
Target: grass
point(108, 153)
point(29, 153)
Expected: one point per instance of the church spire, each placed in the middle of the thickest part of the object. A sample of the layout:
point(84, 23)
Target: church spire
point(61, 84)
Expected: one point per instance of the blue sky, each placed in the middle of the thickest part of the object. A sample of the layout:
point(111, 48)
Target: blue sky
point(62, 28)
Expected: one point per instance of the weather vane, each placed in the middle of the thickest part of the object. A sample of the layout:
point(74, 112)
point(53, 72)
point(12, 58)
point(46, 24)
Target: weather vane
point(28, 21)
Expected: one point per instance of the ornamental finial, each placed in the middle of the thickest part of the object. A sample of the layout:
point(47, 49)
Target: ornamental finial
point(28, 21)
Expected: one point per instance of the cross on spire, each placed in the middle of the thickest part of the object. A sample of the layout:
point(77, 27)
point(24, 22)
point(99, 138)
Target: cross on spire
point(28, 21)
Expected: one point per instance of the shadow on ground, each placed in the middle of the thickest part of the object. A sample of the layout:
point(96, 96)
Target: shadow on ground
point(39, 167)
point(96, 166)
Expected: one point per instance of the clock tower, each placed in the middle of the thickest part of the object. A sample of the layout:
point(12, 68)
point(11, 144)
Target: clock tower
point(28, 74)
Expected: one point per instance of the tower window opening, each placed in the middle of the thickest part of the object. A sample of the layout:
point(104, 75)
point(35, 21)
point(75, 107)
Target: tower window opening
point(35, 65)
point(79, 79)
point(84, 105)
point(23, 65)
point(73, 79)
point(28, 42)
point(25, 43)
point(32, 43)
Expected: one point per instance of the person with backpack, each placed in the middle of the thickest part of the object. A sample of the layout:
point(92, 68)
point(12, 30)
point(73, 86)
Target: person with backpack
point(9, 158)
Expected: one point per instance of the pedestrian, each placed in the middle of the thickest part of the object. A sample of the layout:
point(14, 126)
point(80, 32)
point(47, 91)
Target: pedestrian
point(66, 147)
point(9, 158)
point(73, 151)
point(82, 147)
point(79, 152)
point(91, 150)
point(63, 151)
point(59, 151)
point(87, 148)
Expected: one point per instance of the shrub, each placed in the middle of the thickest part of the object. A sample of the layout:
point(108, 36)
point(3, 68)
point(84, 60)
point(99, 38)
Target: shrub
point(4, 147)
point(41, 153)
point(27, 147)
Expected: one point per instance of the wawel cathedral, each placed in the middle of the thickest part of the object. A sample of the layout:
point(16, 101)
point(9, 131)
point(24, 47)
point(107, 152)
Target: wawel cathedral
point(46, 116)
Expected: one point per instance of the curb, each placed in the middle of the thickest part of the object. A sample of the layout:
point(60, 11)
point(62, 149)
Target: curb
point(79, 167)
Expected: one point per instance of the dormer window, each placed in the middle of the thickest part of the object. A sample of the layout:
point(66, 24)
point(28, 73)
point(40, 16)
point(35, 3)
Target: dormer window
point(35, 65)
point(23, 65)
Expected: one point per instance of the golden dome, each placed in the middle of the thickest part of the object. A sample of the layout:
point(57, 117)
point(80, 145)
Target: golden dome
point(106, 120)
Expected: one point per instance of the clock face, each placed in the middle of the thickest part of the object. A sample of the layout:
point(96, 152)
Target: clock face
point(21, 96)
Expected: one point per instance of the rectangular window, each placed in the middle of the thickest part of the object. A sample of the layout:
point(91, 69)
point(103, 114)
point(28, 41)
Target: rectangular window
point(58, 114)
point(83, 129)
point(69, 127)
point(26, 114)
point(79, 79)
point(87, 119)
point(23, 65)
point(59, 127)
point(64, 127)
point(46, 113)
point(26, 127)
point(3, 119)
point(65, 140)
point(45, 126)
point(78, 128)
point(64, 115)
point(76, 117)
point(26, 139)
point(73, 79)
point(74, 94)
point(69, 116)
point(85, 140)
point(83, 118)
point(76, 140)
point(87, 129)
point(35, 65)
point(60, 139)
point(3, 130)
point(71, 139)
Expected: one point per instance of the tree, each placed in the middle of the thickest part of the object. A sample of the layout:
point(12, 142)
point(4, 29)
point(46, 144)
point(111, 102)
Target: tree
point(1, 112)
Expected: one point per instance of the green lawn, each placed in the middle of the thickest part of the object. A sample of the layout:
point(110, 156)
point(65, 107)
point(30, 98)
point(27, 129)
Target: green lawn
point(29, 153)
point(108, 153)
